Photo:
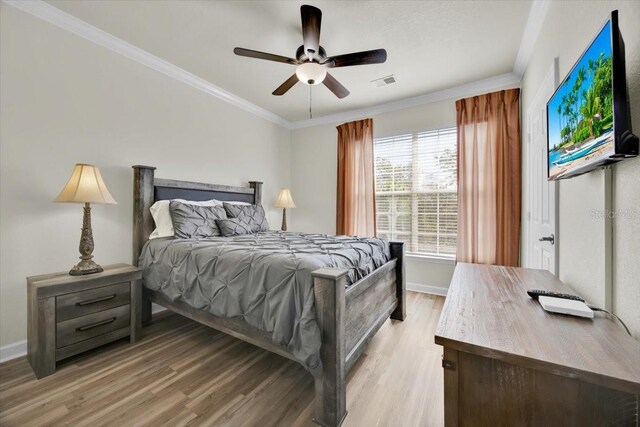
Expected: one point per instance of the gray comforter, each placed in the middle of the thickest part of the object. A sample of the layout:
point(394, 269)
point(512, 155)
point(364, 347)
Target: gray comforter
point(265, 278)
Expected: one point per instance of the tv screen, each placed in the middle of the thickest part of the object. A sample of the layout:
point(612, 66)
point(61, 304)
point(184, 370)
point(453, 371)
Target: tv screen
point(588, 116)
point(580, 116)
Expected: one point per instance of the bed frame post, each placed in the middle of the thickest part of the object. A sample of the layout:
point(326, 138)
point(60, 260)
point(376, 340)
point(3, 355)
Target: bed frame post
point(142, 220)
point(330, 390)
point(397, 252)
point(257, 195)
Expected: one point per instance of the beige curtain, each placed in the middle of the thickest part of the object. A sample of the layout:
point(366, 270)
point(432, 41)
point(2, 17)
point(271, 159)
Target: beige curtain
point(356, 202)
point(489, 178)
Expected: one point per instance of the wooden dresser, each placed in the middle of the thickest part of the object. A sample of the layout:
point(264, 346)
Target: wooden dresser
point(508, 362)
point(71, 314)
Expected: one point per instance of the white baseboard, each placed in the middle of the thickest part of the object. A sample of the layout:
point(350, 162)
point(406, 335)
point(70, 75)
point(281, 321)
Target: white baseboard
point(155, 308)
point(12, 351)
point(427, 289)
point(19, 349)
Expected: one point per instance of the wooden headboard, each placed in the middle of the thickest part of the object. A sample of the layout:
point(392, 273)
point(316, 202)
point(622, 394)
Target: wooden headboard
point(147, 190)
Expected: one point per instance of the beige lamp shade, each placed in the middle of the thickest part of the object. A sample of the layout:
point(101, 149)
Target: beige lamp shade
point(85, 186)
point(284, 199)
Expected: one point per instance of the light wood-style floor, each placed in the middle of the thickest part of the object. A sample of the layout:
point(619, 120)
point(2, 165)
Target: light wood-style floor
point(183, 373)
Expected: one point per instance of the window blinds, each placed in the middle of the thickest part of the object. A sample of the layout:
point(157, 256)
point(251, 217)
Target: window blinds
point(416, 197)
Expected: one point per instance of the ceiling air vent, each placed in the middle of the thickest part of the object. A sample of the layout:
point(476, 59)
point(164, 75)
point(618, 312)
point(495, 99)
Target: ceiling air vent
point(384, 81)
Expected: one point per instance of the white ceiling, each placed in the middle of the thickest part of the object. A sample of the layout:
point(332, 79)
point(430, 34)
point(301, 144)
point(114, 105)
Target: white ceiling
point(431, 45)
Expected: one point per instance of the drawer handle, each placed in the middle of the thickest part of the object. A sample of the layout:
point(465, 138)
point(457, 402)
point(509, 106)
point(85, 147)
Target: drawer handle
point(93, 301)
point(95, 325)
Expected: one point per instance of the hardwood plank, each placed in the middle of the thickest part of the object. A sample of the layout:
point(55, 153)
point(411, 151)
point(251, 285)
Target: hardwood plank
point(184, 373)
point(398, 380)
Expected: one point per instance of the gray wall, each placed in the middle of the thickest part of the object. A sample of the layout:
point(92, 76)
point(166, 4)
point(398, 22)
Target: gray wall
point(66, 100)
point(568, 29)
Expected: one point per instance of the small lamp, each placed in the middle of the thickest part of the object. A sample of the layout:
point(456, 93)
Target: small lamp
point(284, 201)
point(85, 186)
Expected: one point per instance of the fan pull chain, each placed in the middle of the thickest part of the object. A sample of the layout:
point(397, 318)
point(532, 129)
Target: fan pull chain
point(310, 114)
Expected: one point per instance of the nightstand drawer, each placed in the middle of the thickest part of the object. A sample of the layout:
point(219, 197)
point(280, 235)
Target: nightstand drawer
point(68, 314)
point(91, 325)
point(90, 301)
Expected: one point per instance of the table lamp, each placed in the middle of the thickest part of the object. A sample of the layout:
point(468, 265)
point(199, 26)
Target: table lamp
point(85, 186)
point(284, 201)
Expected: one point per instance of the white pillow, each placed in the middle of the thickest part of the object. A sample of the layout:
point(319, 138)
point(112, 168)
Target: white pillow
point(162, 216)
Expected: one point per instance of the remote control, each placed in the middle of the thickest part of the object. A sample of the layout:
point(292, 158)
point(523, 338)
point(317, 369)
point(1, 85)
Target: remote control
point(535, 293)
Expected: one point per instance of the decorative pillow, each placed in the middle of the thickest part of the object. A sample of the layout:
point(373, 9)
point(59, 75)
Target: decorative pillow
point(162, 217)
point(193, 221)
point(233, 227)
point(252, 214)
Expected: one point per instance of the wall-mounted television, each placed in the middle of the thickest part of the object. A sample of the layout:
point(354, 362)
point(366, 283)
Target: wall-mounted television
point(588, 116)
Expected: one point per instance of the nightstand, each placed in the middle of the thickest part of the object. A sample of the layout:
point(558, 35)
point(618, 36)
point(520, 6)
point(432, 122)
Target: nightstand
point(71, 314)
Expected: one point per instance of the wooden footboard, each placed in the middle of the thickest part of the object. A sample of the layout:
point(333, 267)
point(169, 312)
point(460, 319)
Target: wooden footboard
point(368, 305)
point(348, 320)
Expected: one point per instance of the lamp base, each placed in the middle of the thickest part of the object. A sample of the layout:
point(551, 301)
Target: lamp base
point(284, 219)
point(86, 266)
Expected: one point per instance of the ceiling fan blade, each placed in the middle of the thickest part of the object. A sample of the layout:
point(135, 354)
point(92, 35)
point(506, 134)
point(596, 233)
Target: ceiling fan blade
point(311, 20)
point(377, 56)
point(264, 55)
point(335, 86)
point(284, 87)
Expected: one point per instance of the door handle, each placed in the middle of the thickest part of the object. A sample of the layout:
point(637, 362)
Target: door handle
point(551, 239)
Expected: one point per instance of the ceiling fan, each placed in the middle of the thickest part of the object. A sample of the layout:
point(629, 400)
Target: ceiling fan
point(312, 60)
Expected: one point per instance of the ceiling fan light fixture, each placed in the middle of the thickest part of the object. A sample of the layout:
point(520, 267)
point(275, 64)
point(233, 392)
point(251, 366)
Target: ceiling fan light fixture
point(311, 59)
point(311, 73)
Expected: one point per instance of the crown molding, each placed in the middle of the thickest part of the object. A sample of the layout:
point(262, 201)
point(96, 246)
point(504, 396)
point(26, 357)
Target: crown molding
point(490, 84)
point(537, 15)
point(57, 17)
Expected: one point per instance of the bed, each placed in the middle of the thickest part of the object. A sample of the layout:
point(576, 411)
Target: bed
point(347, 305)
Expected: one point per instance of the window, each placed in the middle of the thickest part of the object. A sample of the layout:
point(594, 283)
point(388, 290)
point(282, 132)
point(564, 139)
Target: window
point(416, 191)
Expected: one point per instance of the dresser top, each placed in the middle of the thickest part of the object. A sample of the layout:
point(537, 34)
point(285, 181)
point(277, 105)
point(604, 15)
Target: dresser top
point(488, 312)
point(47, 285)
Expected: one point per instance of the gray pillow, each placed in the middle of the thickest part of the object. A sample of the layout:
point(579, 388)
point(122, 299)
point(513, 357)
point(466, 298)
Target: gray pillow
point(233, 227)
point(192, 221)
point(252, 214)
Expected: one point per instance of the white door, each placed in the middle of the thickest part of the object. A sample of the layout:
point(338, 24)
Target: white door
point(540, 242)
